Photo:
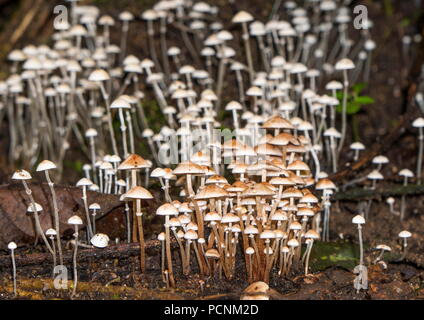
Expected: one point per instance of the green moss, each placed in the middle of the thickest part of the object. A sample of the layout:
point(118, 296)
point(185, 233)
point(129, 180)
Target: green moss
point(334, 254)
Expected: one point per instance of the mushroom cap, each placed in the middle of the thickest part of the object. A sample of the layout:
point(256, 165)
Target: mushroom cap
point(358, 219)
point(293, 243)
point(134, 161)
point(188, 168)
point(51, 232)
point(357, 146)
point(406, 173)
point(84, 182)
point(211, 192)
point(345, 64)
point(230, 218)
point(405, 234)
point(380, 160)
point(38, 208)
point(267, 234)
point(161, 236)
point(191, 235)
point(120, 104)
point(100, 240)
point(99, 75)
point(312, 234)
point(212, 216)
point(277, 122)
point(75, 220)
point(242, 17)
point(258, 190)
point(21, 175)
point(212, 253)
point(139, 193)
point(325, 184)
point(418, 123)
point(94, 206)
point(126, 16)
point(91, 133)
point(46, 165)
point(250, 251)
point(383, 247)
point(167, 209)
point(12, 246)
point(375, 175)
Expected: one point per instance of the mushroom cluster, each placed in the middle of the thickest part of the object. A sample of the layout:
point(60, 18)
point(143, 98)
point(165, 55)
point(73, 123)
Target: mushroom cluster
point(253, 127)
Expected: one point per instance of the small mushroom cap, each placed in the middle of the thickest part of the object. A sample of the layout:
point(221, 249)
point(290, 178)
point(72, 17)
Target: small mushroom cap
point(99, 75)
point(21, 175)
point(212, 254)
point(375, 175)
point(405, 234)
point(94, 206)
point(100, 240)
point(345, 64)
point(357, 146)
point(167, 209)
point(312, 234)
point(242, 17)
point(134, 161)
point(38, 208)
point(211, 192)
point(161, 236)
point(188, 168)
point(250, 251)
point(46, 165)
point(406, 173)
point(358, 219)
point(75, 220)
point(380, 160)
point(383, 247)
point(12, 246)
point(139, 193)
point(84, 182)
point(418, 123)
point(51, 232)
point(191, 235)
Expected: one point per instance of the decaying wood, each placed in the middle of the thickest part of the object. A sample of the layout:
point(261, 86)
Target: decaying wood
point(121, 251)
point(358, 194)
point(16, 225)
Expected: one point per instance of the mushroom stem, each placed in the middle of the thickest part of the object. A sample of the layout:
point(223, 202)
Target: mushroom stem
point(56, 217)
point(139, 215)
point(420, 155)
point(87, 213)
point(308, 254)
point(74, 290)
point(361, 246)
point(344, 110)
point(168, 252)
point(12, 255)
point(36, 218)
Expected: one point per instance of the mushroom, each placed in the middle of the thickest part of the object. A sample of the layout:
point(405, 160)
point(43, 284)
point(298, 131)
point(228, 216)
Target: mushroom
point(12, 247)
point(404, 235)
point(406, 174)
point(244, 18)
point(100, 240)
point(94, 207)
point(382, 248)
point(168, 210)
point(75, 221)
point(344, 65)
point(51, 233)
point(84, 183)
point(23, 176)
point(361, 281)
point(359, 221)
point(45, 166)
point(419, 123)
point(311, 235)
point(138, 194)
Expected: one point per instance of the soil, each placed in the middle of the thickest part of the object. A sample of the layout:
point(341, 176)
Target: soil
point(392, 75)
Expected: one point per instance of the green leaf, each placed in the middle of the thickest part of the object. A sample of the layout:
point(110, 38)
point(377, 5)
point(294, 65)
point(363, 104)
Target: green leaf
point(353, 108)
point(364, 100)
point(358, 87)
